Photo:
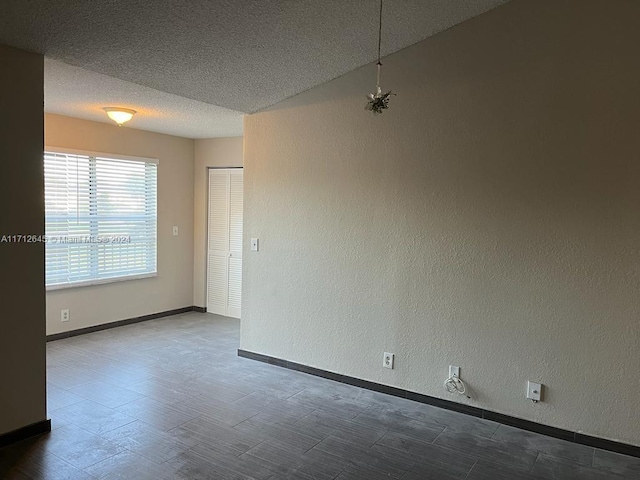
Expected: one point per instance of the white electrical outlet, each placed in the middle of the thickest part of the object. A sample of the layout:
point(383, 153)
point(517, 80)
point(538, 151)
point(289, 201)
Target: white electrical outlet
point(64, 315)
point(454, 371)
point(534, 391)
point(387, 360)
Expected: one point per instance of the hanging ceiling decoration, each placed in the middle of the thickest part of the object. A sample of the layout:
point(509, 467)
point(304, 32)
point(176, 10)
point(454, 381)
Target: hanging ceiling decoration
point(378, 101)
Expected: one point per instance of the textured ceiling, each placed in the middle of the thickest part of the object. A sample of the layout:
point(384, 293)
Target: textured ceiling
point(79, 93)
point(243, 55)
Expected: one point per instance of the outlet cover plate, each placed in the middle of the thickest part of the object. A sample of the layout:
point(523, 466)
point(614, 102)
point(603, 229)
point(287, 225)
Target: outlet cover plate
point(453, 370)
point(388, 360)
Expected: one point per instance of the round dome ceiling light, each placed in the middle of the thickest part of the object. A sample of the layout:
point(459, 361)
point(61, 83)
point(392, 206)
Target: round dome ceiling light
point(119, 115)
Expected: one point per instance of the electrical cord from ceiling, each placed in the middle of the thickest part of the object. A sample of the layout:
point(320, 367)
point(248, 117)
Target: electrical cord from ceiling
point(378, 101)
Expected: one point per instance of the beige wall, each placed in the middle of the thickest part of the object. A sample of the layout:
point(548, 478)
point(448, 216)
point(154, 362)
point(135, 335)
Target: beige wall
point(210, 152)
point(173, 287)
point(22, 332)
point(489, 219)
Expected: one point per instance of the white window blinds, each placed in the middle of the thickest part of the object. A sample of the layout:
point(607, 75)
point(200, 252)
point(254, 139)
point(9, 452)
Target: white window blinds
point(100, 219)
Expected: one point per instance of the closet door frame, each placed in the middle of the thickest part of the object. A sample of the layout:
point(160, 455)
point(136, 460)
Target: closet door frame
point(206, 246)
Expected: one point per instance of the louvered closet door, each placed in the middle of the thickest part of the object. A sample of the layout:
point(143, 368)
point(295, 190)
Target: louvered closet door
point(224, 259)
point(235, 244)
point(218, 241)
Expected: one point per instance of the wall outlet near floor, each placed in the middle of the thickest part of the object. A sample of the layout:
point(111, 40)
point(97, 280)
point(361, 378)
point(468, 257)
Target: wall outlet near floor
point(534, 391)
point(454, 371)
point(64, 315)
point(387, 360)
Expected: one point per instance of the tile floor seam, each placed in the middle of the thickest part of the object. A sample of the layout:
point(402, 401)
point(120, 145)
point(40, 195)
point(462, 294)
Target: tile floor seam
point(65, 461)
point(83, 469)
point(252, 448)
point(534, 463)
point(340, 473)
point(314, 445)
point(438, 436)
point(471, 469)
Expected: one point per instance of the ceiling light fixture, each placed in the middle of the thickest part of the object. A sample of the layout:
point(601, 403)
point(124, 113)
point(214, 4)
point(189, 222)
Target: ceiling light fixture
point(119, 115)
point(378, 101)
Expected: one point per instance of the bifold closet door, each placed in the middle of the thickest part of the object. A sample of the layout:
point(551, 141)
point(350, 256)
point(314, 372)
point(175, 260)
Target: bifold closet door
point(234, 295)
point(224, 259)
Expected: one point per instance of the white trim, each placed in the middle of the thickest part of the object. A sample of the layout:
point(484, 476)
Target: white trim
point(115, 156)
point(101, 281)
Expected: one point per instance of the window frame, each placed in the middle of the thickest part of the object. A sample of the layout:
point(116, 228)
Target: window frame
point(114, 156)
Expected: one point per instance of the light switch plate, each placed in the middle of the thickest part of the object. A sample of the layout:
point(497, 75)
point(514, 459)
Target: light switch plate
point(254, 244)
point(175, 231)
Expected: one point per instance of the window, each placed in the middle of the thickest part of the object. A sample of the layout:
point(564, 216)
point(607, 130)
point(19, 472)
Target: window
point(100, 219)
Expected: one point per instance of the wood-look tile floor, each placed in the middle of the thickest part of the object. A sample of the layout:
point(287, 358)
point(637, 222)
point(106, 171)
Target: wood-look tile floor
point(170, 399)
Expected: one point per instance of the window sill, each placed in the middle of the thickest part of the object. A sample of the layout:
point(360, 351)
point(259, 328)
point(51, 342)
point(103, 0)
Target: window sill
point(101, 281)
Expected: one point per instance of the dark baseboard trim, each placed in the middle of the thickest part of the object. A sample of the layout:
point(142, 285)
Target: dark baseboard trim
point(568, 435)
point(199, 309)
point(120, 323)
point(25, 432)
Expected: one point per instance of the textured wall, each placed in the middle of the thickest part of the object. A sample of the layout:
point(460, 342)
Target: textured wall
point(22, 343)
point(210, 152)
point(173, 287)
point(489, 219)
